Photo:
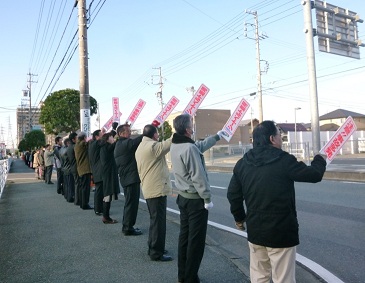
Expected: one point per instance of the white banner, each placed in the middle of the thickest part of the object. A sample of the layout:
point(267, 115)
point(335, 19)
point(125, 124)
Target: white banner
point(333, 146)
point(109, 123)
point(136, 111)
point(231, 126)
point(197, 99)
point(166, 111)
point(116, 116)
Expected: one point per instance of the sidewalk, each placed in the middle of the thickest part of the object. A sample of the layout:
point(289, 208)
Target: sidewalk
point(45, 239)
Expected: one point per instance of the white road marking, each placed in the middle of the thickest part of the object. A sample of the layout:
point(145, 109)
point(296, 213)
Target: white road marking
point(221, 188)
point(217, 187)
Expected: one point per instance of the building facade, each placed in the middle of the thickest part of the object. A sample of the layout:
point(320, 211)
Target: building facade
point(27, 121)
point(209, 121)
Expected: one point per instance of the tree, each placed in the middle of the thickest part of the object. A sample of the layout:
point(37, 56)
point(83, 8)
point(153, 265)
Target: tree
point(61, 111)
point(167, 131)
point(35, 139)
point(32, 140)
point(22, 146)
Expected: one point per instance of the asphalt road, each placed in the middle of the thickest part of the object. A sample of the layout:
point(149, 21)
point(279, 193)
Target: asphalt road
point(332, 223)
point(348, 165)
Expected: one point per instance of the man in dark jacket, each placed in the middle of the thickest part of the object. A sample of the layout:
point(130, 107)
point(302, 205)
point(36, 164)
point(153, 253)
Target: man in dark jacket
point(58, 164)
point(264, 179)
point(94, 159)
point(83, 170)
point(66, 172)
point(125, 160)
point(74, 177)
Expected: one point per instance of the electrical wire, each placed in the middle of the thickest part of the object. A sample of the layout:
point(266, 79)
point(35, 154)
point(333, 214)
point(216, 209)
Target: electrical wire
point(37, 33)
point(215, 41)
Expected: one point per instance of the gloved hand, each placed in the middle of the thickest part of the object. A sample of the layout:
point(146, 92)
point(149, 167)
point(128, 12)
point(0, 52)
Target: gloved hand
point(156, 123)
point(221, 134)
point(208, 206)
point(240, 225)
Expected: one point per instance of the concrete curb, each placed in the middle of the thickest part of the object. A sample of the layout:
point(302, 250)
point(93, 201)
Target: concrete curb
point(345, 176)
point(329, 175)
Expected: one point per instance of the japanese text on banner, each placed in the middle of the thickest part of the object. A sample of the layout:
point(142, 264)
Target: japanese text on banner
point(231, 126)
point(116, 116)
point(109, 123)
point(197, 99)
point(166, 111)
point(337, 141)
point(136, 111)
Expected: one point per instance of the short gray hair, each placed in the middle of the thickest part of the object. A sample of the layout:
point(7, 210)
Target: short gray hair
point(181, 123)
point(81, 136)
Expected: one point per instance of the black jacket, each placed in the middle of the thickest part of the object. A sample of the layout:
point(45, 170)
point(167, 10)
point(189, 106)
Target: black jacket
point(71, 158)
point(126, 162)
point(94, 159)
point(66, 166)
point(264, 178)
point(109, 170)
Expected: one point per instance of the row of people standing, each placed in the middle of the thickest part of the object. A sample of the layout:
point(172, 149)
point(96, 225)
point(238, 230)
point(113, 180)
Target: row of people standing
point(263, 180)
point(79, 159)
point(142, 159)
point(74, 176)
point(42, 162)
point(108, 160)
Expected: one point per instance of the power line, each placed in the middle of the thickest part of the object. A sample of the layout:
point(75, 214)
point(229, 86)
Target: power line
point(54, 56)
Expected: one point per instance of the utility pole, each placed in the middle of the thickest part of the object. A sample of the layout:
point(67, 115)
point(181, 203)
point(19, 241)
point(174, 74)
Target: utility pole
point(159, 93)
point(312, 77)
point(29, 87)
point(84, 69)
point(98, 117)
point(258, 62)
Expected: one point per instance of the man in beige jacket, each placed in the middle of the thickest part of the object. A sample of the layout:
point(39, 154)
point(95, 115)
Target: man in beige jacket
point(154, 175)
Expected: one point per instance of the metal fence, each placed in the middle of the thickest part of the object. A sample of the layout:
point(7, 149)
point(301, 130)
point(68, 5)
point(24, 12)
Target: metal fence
point(4, 170)
point(300, 150)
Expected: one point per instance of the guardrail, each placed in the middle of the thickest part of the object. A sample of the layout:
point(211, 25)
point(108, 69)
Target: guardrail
point(4, 170)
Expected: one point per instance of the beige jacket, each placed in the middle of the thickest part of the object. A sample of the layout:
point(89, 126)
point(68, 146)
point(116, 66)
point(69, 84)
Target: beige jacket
point(36, 162)
point(152, 167)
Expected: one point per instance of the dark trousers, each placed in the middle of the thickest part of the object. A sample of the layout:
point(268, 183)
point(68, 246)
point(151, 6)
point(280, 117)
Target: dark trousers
point(98, 197)
point(77, 196)
point(48, 174)
point(70, 188)
point(193, 230)
point(66, 181)
point(84, 190)
point(131, 195)
point(157, 231)
point(59, 181)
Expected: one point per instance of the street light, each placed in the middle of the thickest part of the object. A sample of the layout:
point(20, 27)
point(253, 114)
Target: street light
point(295, 127)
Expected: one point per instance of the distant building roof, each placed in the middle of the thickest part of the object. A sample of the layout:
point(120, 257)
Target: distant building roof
point(290, 127)
point(340, 113)
point(308, 126)
point(329, 127)
point(248, 122)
